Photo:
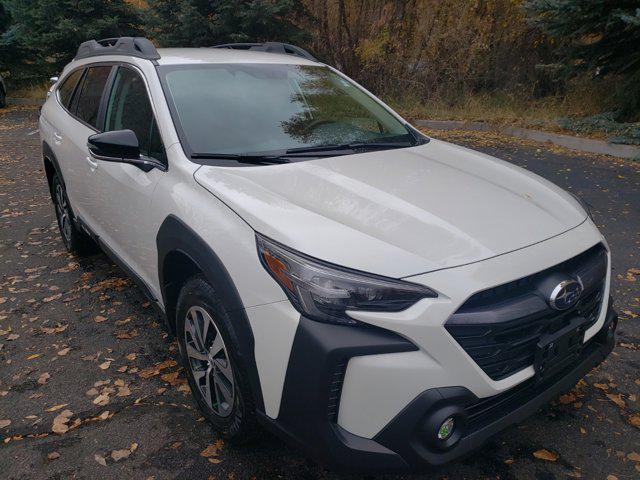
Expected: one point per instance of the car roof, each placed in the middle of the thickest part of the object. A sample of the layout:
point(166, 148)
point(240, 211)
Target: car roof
point(181, 56)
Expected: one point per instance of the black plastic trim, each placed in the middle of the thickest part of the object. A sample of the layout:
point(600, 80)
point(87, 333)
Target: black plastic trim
point(407, 442)
point(129, 46)
point(175, 236)
point(270, 47)
point(319, 348)
point(406, 434)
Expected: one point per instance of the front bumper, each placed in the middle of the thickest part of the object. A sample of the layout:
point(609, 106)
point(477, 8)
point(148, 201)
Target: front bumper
point(317, 363)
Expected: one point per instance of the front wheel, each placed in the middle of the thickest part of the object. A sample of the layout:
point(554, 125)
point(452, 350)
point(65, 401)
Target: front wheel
point(215, 373)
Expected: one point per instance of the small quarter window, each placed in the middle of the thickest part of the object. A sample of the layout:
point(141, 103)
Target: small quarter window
point(65, 91)
point(91, 94)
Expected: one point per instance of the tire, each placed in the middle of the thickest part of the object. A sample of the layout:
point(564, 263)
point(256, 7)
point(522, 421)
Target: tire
point(214, 362)
point(74, 239)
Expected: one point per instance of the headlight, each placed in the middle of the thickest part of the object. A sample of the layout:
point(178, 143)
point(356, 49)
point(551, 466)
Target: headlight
point(325, 292)
point(585, 205)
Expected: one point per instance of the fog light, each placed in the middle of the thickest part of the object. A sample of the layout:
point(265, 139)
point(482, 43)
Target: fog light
point(446, 429)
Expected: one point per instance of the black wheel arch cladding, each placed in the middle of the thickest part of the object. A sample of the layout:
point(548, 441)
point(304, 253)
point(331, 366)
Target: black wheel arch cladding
point(175, 237)
point(48, 157)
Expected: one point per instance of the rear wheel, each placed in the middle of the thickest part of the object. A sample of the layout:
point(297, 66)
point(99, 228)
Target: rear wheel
point(216, 375)
point(74, 239)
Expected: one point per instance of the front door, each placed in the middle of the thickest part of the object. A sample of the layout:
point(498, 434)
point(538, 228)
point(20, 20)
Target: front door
point(124, 191)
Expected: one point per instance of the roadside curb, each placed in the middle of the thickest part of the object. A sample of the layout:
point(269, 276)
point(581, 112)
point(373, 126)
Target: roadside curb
point(588, 145)
point(24, 101)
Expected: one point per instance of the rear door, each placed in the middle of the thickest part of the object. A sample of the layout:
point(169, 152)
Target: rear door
point(78, 167)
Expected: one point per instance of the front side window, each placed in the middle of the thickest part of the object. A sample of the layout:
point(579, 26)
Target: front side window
point(244, 109)
point(68, 86)
point(91, 94)
point(129, 108)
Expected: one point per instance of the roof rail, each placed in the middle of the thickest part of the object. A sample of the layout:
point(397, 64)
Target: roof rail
point(270, 47)
point(131, 46)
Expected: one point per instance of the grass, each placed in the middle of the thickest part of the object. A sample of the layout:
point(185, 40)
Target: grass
point(38, 91)
point(585, 110)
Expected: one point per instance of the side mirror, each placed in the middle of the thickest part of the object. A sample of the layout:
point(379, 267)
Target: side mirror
point(120, 146)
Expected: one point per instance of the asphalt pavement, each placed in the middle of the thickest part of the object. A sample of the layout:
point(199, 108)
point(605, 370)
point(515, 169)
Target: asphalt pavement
point(89, 386)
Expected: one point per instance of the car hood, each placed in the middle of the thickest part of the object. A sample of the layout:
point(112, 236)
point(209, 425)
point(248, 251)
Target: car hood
point(397, 212)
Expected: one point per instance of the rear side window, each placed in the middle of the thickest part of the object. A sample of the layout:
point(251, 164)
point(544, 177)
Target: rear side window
point(91, 94)
point(68, 86)
point(129, 108)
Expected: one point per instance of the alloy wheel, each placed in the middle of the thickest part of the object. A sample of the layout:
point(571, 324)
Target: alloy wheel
point(62, 213)
point(209, 361)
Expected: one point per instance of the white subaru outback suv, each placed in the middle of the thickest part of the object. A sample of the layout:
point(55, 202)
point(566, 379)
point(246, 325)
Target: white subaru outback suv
point(383, 300)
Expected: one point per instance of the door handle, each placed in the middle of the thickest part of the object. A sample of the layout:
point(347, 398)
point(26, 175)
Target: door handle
point(57, 138)
point(92, 163)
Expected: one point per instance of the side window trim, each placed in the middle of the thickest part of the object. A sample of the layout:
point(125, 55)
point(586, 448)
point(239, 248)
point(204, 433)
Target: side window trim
point(106, 95)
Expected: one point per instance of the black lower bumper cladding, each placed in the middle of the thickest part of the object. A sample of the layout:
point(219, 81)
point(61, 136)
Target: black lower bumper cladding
point(409, 441)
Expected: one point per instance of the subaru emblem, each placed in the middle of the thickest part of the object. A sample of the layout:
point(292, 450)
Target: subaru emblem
point(566, 294)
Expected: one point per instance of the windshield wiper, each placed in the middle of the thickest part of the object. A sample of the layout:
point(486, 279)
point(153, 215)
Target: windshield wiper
point(242, 158)
point(350, 146)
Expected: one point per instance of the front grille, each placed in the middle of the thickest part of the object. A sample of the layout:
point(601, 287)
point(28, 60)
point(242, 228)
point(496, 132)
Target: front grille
point(486, 410)
point(500, 327)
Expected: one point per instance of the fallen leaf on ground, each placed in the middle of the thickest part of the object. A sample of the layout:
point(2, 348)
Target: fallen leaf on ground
point(123, 391)
point(101, 460)
point(617, 399)
point(635, 420)
point(155, 370)
point(131, 356)
point(118, 455)
point(567, 398)
point(213, 449)
point(101, 400)
point(100, 319)
point(13, 336)
point(544, 454)
point(5, 423)
point(171, 378)
point(42, 379)
point(52, 298)
point(60, 422)
point(105, 365)
point(126, 334)
point(56, 407)
point(634, 457)
point(58, 329)
point(64, 351)
point(53, 455)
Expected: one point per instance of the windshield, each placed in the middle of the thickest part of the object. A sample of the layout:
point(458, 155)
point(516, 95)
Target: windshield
point(244, 109)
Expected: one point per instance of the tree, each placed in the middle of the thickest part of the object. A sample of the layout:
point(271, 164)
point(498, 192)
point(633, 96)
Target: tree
point(52, 31)
point(196, 23)
point(599, 36)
